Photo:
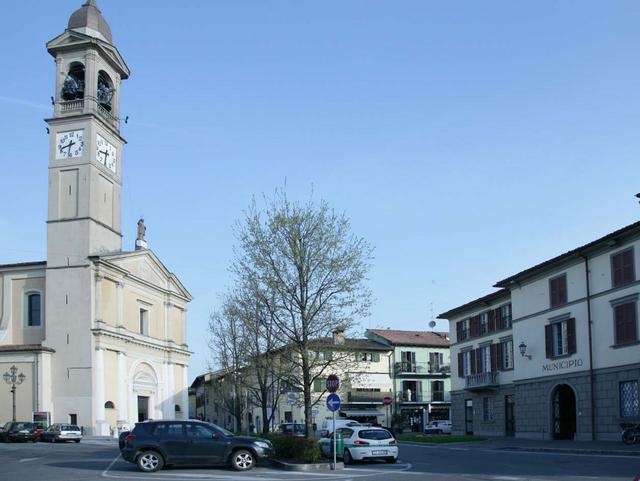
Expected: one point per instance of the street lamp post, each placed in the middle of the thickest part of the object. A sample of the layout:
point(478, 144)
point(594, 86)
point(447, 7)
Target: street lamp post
point(12, 377)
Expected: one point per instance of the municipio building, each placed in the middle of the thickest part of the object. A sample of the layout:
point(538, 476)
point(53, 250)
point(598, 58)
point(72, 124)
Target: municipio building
point(555, 353)
point(96, 333)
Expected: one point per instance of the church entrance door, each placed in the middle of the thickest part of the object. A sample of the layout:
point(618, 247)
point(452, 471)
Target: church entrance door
point(143, 408)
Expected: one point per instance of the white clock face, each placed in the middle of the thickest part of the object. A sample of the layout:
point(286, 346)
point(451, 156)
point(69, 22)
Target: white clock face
point(105, 153)
point(69, 144)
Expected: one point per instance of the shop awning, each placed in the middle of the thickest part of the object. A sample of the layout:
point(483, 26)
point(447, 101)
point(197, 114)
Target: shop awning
point(362, 413)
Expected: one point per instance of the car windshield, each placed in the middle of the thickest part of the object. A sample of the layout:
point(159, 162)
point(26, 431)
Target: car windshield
point(70, 427)
point(376, 434)
point(293, 428)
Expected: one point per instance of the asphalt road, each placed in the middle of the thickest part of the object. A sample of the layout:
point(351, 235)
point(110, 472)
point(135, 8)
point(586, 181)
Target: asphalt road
point(99, 460)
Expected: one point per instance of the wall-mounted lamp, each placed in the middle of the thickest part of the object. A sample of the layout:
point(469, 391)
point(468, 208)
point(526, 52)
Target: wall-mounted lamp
point(523, 350)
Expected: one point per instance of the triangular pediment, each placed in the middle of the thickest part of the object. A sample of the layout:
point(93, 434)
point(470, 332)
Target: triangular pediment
point(146, 266)
point(72, 40)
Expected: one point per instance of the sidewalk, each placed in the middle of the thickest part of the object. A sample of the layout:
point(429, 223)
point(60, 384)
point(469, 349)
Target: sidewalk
point(573, 447)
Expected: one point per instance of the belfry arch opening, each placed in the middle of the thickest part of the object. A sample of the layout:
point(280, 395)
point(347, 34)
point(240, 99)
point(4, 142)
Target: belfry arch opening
point(73, 84)
point(105, 90)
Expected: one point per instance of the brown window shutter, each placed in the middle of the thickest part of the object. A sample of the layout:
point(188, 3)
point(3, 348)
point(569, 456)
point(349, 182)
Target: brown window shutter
point(472, 361)
point(548, 341)
point(616, 270)
point(553, 301)
point(479, 361)
point(492, 321)
point(499, 355)
point(460, 370)
point(459, 331)
point(476, 325)
point(625, 323)
point(494, 357)
point(571, 335)
point(627, 267)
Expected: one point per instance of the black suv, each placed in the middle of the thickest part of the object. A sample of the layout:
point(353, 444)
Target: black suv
point(154, 444)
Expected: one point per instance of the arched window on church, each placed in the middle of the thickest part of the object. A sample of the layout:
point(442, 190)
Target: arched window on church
point(34, 309)
point(109, 405)
point(177, 408)
point(73, 85)
point(105, 90)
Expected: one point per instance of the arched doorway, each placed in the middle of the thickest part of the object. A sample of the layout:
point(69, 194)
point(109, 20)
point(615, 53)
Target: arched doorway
point(563, 411)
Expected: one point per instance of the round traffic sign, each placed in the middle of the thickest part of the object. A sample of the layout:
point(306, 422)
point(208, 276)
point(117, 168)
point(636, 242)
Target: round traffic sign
point(333, 402)
point(387, 400)
point(333, 383)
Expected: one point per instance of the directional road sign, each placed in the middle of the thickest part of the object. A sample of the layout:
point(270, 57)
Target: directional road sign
point(333, 402)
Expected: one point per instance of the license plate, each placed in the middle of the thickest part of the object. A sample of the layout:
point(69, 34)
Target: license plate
point(378, 453)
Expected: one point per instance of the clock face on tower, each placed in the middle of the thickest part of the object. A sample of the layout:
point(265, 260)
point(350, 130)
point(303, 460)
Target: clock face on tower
point(106, 153)
point(69, 144)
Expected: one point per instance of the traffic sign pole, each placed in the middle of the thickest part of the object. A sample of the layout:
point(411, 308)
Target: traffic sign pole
point(334, 441)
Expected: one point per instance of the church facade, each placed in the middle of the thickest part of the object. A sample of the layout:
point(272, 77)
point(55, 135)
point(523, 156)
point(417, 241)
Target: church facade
point(98, 332)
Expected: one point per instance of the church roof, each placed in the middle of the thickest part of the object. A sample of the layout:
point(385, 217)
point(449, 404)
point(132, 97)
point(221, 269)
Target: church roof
point(89, 19)
point(23, 264)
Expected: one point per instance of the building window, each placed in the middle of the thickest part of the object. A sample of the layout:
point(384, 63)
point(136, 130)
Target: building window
point(34, 310)
point(319, 384)
point(484, 323)
point(560, 338)
point(558, 291)
point(506, 349)
point(488, 409)
point(463, 329)
point(629, 399)
point(109, 405)
point(464, 368)
point(144, 321)
point(367, 356)
point(625, 323)
point(435, 361)
point(437, 391)
point(622, 271)
point(483, 361)
point(505, 316)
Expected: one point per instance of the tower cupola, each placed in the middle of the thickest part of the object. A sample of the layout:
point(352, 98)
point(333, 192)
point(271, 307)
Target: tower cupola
point(89, 20)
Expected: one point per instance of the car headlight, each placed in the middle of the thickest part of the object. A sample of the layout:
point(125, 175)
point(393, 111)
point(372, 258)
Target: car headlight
point(263, 444)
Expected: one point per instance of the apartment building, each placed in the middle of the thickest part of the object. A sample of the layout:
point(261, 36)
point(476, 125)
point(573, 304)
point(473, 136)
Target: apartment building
point(555, 353)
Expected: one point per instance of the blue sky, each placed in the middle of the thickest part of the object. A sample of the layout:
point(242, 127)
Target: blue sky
point(466, 140)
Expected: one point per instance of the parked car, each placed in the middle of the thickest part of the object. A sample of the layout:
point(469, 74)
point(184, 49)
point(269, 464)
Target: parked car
point(57, 433)
point(121, 437)
point(438, 427)
point(155, 444)
point(363, 443)
point(18, 431)
point(293, 429)
point(328, 425)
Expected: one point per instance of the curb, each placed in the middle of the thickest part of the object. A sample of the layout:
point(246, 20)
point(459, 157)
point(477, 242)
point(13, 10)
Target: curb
point(304, 467)
point(571, 451)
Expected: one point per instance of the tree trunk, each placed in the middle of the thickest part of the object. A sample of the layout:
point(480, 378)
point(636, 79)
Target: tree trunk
point(306, 387)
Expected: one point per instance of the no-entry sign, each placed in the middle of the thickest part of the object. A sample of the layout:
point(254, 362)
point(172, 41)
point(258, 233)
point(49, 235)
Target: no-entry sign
point(387, 400)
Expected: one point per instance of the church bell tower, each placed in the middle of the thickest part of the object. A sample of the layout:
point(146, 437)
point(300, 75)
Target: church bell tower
point(84, 215)
point(85, 152)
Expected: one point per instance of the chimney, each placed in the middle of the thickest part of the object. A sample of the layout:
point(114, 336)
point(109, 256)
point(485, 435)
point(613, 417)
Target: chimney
point(338, 336)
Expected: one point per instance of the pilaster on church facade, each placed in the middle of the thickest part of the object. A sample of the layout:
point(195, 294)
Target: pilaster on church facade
point(99, 331)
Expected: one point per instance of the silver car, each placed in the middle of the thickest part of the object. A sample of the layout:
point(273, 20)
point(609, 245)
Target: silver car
point(62, 432)
point(363, 443)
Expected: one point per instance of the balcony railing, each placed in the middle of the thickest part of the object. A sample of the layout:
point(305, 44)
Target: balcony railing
point(366, 397)
point(406, 367)
point(483, 380)
point(78, 106)
point(423, 397)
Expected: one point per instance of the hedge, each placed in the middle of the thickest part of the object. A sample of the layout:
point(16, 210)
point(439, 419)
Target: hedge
point(295, 448)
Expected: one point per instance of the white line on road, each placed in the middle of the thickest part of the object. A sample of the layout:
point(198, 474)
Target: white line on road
point(25, 460)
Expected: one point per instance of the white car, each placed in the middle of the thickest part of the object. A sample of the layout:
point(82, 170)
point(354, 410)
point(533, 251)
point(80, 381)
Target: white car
point(363, 443)
point(438, 427)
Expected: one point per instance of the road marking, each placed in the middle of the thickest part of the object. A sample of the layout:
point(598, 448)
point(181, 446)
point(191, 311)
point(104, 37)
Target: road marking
point(25, 460)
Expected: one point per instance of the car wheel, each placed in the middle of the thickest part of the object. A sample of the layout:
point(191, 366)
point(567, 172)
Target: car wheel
point(391, 460)
point(150, 461)
point(77, 441)
point(347, 457)
point(242, 460)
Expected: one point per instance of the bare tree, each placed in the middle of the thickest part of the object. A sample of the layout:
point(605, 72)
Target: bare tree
point(228, 344)
point(308, 270)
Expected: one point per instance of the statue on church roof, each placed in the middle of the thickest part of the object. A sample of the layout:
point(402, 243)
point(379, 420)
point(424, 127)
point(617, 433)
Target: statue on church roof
point(141, 243)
